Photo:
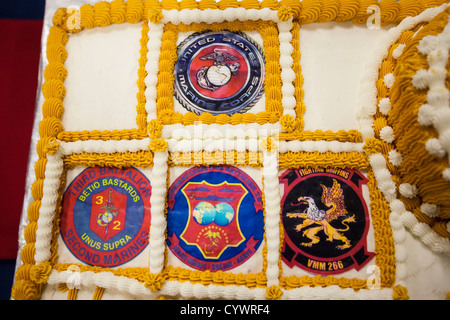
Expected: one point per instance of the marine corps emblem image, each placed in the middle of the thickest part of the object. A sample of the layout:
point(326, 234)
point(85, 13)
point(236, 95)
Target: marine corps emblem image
point(105, 219)
point(215, 218)
point(219, 72)
point(325, 219)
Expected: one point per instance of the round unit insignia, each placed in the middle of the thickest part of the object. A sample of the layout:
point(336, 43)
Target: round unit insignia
point(105, 219)
point(215, 217)
point(219, 72)
point(325, 219)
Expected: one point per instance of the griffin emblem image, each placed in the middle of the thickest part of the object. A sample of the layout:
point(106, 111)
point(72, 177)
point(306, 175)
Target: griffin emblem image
point(334, 199)
point(325, 219)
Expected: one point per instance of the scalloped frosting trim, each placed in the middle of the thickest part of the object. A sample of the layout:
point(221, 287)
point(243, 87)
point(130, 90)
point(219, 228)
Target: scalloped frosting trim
point(142, 159)
point(254, 145)
point(415, 127)
point(206, 158)
point(209, 289)
point(104, 13)
point(272, 208)
point(296, 134)
point(25, 286)
point(350, 160)
point(214, 137)
point(158, 219)
point(436, 48)
point(398, 135)
point(161, 101)
point(369, 88)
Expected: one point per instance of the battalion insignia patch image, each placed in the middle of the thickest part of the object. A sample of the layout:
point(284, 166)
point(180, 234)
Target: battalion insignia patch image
point(325, 219)
point(105, 219)
point(219, 72)
point(215, 218)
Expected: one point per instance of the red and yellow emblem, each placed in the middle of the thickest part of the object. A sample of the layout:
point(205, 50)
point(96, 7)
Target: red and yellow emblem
point(108, 212)
point(213, 217)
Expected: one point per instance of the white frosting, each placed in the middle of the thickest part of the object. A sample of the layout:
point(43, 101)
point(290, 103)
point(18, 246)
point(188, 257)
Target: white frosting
point(389, 80)
point(210, 145)
point(435, 148)
point(100, 146)
point(436, 111)
point(217, 132)
point(384, 106)
point(333, 58)
point(446, 174)
point(367, 100)
point(287, 74)
point(428, 276)
point(272, 209)
point(158, 204)
point(154, 49)
point(407, 190)
point(183, 290)
point(399, 213)
point(408, 269)
point(336, 293)
point(188, 16)
point(426, 115)
point(47, 210)
point(321, 146)
point(398, 51)
point(387, 134)
point(99, 97)
point(430, 210)
point(186, 290)
point(201, 137)
point(395, 158)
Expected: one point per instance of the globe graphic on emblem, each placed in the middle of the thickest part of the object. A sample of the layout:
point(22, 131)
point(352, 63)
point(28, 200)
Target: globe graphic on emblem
point(107, 217)
point(224, 214)
point(218, 75)
point(204, 213)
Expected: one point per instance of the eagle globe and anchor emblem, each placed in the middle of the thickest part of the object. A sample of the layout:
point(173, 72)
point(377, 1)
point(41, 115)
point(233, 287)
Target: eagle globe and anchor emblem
point(104, 219)
point(219, 72)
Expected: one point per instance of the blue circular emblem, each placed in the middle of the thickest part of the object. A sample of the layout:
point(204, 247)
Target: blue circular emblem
point(219, 72)
point(105, 220)
point(215, 217)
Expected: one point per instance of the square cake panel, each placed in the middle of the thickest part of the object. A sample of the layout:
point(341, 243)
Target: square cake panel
point(98, 96)
point(333, 59)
